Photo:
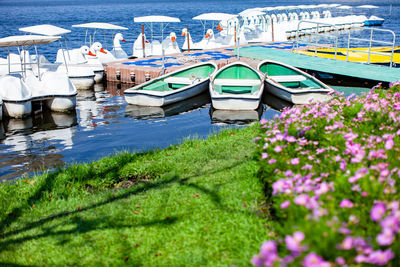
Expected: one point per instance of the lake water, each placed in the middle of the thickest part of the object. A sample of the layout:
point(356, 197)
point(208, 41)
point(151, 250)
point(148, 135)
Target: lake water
point(103, 123)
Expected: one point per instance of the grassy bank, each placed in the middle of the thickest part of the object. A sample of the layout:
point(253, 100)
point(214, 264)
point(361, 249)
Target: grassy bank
point(199, 203)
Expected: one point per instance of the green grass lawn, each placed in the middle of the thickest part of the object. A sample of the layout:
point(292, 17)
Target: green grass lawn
point(198, 203)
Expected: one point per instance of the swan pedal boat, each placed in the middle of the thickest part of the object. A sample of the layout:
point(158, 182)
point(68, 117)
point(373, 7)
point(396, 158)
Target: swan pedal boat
point(172, 87)
point(19, 88)
point(236, 86)
point(292, 84)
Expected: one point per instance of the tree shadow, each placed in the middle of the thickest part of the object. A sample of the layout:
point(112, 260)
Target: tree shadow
point(85, 226)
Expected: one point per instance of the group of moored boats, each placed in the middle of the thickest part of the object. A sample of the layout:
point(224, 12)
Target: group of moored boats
point(236, 86)
point(26, 78)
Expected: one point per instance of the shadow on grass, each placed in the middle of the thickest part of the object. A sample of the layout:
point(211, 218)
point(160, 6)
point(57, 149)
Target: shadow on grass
point(10, 264)
point(84, 226)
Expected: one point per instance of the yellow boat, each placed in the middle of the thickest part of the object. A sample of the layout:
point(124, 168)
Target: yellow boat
point(359, 54)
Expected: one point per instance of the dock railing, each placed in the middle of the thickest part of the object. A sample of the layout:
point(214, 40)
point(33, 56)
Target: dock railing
point(314, 29)
point(370, 42)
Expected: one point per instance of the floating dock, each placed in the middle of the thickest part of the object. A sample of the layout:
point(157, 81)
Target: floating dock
point(336, 67)
point(139, 70)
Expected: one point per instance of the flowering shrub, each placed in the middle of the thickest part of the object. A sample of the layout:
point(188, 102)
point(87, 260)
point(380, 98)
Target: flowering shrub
point(332, 174)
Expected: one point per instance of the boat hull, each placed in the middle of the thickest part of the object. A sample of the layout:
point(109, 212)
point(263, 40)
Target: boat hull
point(17, 109)
point(292, 84)
point(98, 76)
point(233, 102)
point(61, 104)
point(83, 83)
point(159, 99)
point(236, 86)
point(300, 98)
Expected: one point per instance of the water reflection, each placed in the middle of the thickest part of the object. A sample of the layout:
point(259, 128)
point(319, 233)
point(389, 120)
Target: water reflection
point(32, 144)
point(275, 102)
point(145, 112)
point(236, 116)
point(104, 124)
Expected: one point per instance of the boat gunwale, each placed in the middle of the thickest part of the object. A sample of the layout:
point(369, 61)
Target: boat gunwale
point(255, 96)
point(136, 90)
point(325, 88)
point(38, 98)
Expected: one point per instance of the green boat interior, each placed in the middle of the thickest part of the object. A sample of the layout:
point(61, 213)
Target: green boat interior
point(237, 79)
point(288, 77)
point(180, 79)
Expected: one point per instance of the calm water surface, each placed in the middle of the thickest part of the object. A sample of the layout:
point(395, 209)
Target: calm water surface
point(103, 123)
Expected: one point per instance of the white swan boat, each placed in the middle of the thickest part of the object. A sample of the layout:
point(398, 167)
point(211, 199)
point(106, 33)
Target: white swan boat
point(236, 86)
point(81, 75)
point(172, 87)
point(166, 46)
point(226, 35)
point(19, 88)
point(106, 56)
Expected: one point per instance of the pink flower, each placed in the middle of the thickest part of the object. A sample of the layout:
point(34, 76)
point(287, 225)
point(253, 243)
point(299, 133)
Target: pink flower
point(389, 144)
point(345, 203)
point(295, 161)
point(390, 222)
point(268, 255)
point(301, 200)
point(293, 242)
point(313, 260)
point(278, 149)
point(264, 155)
point(347, 243)
point(268, 248)
point(307, 167)
point(271, 161)
point(385, 238)
point(257, 261)
point(340, 261)
point(377, 211)
point(380, 257)
point(343, 165)
point(285, 204)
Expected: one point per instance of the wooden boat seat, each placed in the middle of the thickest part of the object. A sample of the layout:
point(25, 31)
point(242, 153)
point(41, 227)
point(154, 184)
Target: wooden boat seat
point(178, 80)
point(237, 82)
point(287, 78)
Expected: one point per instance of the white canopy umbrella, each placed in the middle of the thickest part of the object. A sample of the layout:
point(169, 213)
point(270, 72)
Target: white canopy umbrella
point(368, 6)
point(213, 17)
point(98, 26)
point(251, 13)
point(311, 6)
point(156, 19)
point(45, 29)
point(48, 30)
point(345, 7)
point(27, 40)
